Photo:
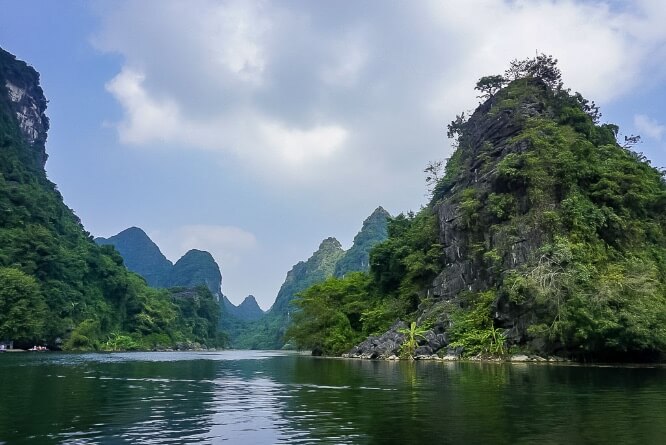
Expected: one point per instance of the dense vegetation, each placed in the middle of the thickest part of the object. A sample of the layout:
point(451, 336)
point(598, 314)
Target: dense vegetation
point(57, 287)
point(336, 314)
point(268, 332)
point(329, 260)
point(556, 233)
point(248, 310)
point(143, 256)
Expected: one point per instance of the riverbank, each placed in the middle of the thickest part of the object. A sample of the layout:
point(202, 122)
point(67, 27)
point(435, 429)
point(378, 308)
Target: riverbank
point(516, 358)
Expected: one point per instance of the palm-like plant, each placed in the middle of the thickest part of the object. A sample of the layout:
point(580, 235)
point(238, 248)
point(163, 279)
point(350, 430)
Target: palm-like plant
point(411, 343)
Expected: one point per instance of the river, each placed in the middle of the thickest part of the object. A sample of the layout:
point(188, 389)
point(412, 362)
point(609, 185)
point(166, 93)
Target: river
point(257, 397)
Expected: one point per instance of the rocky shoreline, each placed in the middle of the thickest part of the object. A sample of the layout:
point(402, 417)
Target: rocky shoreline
point(432, 345)
point(516, 358)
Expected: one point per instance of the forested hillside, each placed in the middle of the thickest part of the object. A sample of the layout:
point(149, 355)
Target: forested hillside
point(57, 287)
point(330, 259)
point(543, 234)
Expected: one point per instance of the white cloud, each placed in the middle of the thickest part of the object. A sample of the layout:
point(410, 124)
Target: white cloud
point(264, 141)
point(336, 108)
point(302, 93)
point(146, 118)
point(297, 146)
point(649, 127)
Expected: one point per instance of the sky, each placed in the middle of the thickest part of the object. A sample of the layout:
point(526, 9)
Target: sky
point(255, 129)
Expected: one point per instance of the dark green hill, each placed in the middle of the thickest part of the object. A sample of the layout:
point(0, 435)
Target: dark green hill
point(268, 332)
point(248, 310)
point(328, 260)
point(141, 255)
point(57, 287)
point(195, 268)
point(544, 235)
point(305, 273)
point(374, 231)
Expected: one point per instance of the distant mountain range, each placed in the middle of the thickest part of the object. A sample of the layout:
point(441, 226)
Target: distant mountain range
point(330, 259)
point(247, 325)
point(248, 310)
point(57, 287)
point(195, 268)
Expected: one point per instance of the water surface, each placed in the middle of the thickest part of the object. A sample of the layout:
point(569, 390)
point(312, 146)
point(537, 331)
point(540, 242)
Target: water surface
point(254, 397)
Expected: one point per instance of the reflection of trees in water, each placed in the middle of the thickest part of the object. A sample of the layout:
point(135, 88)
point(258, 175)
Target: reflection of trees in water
point(53, 402)
point(341, 401)
point(453, 402)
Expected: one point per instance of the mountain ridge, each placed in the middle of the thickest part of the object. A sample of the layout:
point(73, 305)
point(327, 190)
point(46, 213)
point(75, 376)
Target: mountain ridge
point(143, 256)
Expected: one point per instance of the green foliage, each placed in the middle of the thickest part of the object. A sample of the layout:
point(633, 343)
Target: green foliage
point(413, 333)
point(120, 342)
point(452, 171)
point(489, 85)
point(564, 231)
point(22, 307)
point(410, 258)
point(473, 327)
point(85, 337)
point(336, 314)
point(56, 284)
point(331, 314)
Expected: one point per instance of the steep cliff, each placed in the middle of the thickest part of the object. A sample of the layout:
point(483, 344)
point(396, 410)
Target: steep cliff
point(57, 287)
point(544, 235)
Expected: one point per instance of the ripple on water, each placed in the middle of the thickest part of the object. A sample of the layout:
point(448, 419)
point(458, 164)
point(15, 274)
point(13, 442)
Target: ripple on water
point(273, 397)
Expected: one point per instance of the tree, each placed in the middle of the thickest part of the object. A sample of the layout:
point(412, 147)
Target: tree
point(413, 333)
point(454, 129)
point(433, 173)
point(22, 307)
point(542, 67)
point(489, 85)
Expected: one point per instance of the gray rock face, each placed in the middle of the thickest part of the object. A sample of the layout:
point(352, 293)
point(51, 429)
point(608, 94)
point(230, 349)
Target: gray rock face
point(384, 346)
point(486, 140)
point(27, 103)
point(388, 344)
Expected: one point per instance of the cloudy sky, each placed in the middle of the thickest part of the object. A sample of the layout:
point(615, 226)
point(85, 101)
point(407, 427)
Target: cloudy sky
point(254, 130)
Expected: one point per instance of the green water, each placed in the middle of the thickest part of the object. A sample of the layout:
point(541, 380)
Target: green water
point(243, 397)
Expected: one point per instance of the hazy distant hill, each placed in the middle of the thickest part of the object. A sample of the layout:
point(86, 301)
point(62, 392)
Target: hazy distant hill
point(329, 259)
point(374, 231)
point(57, 287)
point(143, 256)
point(248, 310)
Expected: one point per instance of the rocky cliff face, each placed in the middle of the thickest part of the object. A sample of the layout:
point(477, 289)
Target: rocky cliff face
point(26, 103)
point(533, 214)
point(486, 141)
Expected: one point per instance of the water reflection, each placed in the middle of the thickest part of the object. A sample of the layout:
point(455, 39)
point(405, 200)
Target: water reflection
point(258, 397)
